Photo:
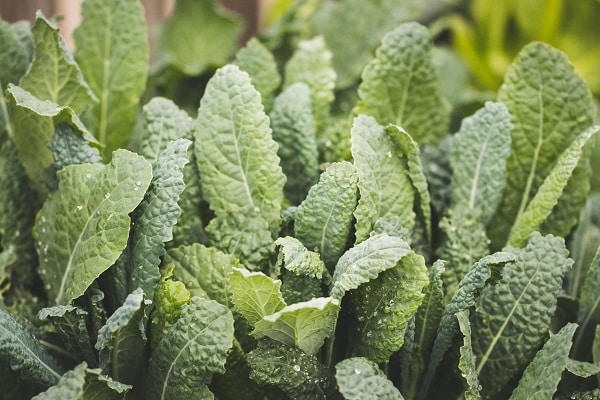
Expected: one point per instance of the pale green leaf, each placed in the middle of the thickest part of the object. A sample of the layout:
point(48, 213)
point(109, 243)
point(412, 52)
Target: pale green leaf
point(296, 258)
point(365, 261)
point(255, 295)
point(156, 215)
point(294, 130)
point(550, 191)
point(467, 360)
point(259, 63)
point(301, 376)
point(582, 369)
point(82, 229)
point(192, 351)
point(54, 75)
point(324, 219)
point(83, 383)
point(361, 379)
point(542, 376)
point(24, 353)
point(515, 313)
point(385, 187)
point(304, 325)
point(210, 31)
point(236, 155)
point(550, 106)
point(478, 160)
point(204, 270)
point(122, 340)
point(368, 20)
point(311, 64)
point(401, 86)
point(15, 54)
point(112, 52)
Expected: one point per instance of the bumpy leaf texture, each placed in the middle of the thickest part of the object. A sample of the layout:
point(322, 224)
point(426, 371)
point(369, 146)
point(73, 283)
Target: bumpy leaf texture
point(255, 295)
point(361, 379)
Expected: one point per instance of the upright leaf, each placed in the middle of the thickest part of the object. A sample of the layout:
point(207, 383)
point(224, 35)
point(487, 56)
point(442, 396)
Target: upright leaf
point(294, 130)
point(588, 315)
point(296, 258)
point(324, 219)
point(192, 351)
point(22, 351)
point(385, 187)
point(236, 155)
point(211, 34)
point(546, 119)
point(15, 54)
point(467, 360)
point(82, 229)
point(361, 379)
point(543, 374)
point(478, 160)
point(255, 295)
point(112, 51)
point(513, 316)
point(400, 86)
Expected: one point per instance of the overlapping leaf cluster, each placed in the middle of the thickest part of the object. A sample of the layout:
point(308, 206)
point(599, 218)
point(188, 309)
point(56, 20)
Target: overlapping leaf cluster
point(286, 239)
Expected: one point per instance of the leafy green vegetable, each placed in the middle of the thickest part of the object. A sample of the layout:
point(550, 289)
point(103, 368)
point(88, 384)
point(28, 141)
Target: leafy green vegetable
point(467, 359)
point(298, 259)
point(92, 200)
point(255, 295)
point(15, 55)
point(360, 378)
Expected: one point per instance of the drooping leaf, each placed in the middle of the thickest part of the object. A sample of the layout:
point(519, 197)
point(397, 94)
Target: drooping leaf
point(384, 306)
point(255, 295)
point(549, 192)
point(82, 229)
point(582, 369)
point(15, 54)
point(204, 270)
point(353, 49)
point(311, 64)
point(478, 160)
point(467, 361)
point(385, 187)
point(546, 119)
point(191, 352)
point(294, 130)
point(69, 147)
point(515, 313)
point(304, 325)
point(365, 261)
point(259, 63)
point(295, 257)
point(156, 215)
point(112, 52)
point(400, 86)
point(211, 34)
point(236, 155)
point(70, 323)
point(54, 75)
point(324, 219)
point(84, 383)
point(24, 353)
point(361, 379)
point(298, 374)
point(543, 374)
point(122, 340)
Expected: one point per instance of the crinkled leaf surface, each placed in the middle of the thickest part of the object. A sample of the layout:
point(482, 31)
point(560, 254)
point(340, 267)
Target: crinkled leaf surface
point(82, 229)
point(156, 216)
point(113, 53)
point(467, 360)
point(22, 351)
point(191, 352)
point(295, 257)
point(122, 340)
point(550, 106)
point(204, 270)
point(210, 33)
point(383, 182)
point(384, 306)
point(365, 261)
point(588, 314)
point(324, 219)
point(298, 374)
point(478, 160)
point(401, 85)
point(513, 316)
point(15, 55)
point(236, 155)
point(304, 325)
point(542, 375)
point(582, 368)
point(255, 295)
point(361, 379)
point(294, 130)
point(69, 147)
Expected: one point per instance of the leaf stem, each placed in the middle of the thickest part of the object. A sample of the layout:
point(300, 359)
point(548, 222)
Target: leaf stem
point(58, 350)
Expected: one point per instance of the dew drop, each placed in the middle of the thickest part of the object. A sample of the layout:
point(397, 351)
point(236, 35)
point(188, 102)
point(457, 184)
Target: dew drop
point(107, 195)
point(389, 154)
point(354, 267)
point(79, 207)
point(88, 175)
point(256, 209)
point(140, 267)
point(48, 287)
point(357, 371)
point(135, 189)
point(370, 333)
point(45, 260)
point(328, 143)
point(138, 183)
point(296, 368)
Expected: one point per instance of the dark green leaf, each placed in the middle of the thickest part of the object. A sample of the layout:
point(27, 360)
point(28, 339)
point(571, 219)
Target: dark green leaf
point(69, 147)
point(361, 379)
point(15, 54)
